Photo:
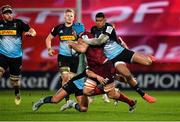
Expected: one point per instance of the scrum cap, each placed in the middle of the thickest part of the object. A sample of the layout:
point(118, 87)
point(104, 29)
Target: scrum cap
point(6, 9)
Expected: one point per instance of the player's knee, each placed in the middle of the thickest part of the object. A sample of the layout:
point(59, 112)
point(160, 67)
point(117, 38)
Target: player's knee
point(110, 90)
point(65, 71)
point(65, 78)
point(89, 87)
point(87, 92)
point(71, 75)
point(148, 62)
point(128, 77)
point(1, 72)
point(83, 109)
point(111, 95)
point(15, 81)
point(125, 73)
point(120, 78)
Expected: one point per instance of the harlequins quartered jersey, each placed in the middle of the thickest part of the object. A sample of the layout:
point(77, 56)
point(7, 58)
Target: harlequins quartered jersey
point(111, 48)
point(65, 34)
point(79, 83)
point(11, 37)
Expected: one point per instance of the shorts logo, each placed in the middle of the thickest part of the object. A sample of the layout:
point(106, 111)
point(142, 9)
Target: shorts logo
point(1, 25)
point(8, 32)
point(15, 25)
point(59, 64)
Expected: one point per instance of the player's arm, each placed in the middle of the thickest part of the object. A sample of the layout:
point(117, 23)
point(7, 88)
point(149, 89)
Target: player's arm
point(48, 44)
point(26, 28)
point(103, 38)
point(96, 76)
point(31, 32)
point(49, 39)
point(79, 46)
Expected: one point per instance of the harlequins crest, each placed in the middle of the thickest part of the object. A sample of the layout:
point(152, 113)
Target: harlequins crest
point(61, 31)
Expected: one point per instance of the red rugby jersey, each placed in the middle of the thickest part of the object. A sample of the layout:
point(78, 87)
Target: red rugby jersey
point(94, 54)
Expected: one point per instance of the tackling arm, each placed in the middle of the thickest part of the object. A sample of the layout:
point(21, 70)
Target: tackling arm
point(79, 46)
point(103, 38)
point(94, 75)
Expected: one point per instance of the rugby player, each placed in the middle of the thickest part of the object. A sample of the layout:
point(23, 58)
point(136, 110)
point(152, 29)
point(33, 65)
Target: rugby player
point(106, 36)
point(11, 31)
point(98, 64)
point(68, 59)
point(91, 77)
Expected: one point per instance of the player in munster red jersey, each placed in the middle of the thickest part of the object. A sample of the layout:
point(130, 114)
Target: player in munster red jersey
point(106, 36)
point(75, 85)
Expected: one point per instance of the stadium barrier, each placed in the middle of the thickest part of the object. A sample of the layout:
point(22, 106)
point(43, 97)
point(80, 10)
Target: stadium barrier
point(50, 81)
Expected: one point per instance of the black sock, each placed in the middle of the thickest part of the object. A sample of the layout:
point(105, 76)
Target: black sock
point(17, 91)
point(67, 98)
point(47, 99)
point(139, 90)
point(77, 107)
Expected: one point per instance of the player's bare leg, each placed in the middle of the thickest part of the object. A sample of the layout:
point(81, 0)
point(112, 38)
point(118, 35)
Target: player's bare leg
point(83, 100)
point(117, 95)
point(66, 75)
point(82, 104)
point(1, 72)
point(65, 79)
point(15, 82)
point(89, 87)
point(122, 68)
point(142, 59)
point(60, 95)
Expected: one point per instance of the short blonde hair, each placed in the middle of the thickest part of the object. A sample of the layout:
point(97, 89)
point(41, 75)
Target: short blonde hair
point(70, 10)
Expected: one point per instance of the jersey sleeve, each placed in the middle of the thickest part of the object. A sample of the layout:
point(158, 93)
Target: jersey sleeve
point(78, 28)
point(93, 30)
point(24, 26)
point(109, 30)
point(55, 31)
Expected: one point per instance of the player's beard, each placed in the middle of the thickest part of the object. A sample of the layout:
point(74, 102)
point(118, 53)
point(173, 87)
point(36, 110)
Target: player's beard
point(8, 19)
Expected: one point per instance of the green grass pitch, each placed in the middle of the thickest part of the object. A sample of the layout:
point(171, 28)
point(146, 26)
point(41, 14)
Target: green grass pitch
point(167, 108)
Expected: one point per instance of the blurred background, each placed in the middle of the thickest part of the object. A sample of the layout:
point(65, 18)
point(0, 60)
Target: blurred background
point(147, 26)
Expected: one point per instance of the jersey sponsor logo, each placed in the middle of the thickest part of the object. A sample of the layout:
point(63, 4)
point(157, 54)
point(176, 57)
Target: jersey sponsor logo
point(15, 25)
point(109, 29)
point(8, 32)
point(67, 38)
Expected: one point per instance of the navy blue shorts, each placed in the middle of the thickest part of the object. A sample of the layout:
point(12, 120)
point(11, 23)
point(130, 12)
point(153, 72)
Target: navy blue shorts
point(125, 56)
point(71, 62)
point(71, 88)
